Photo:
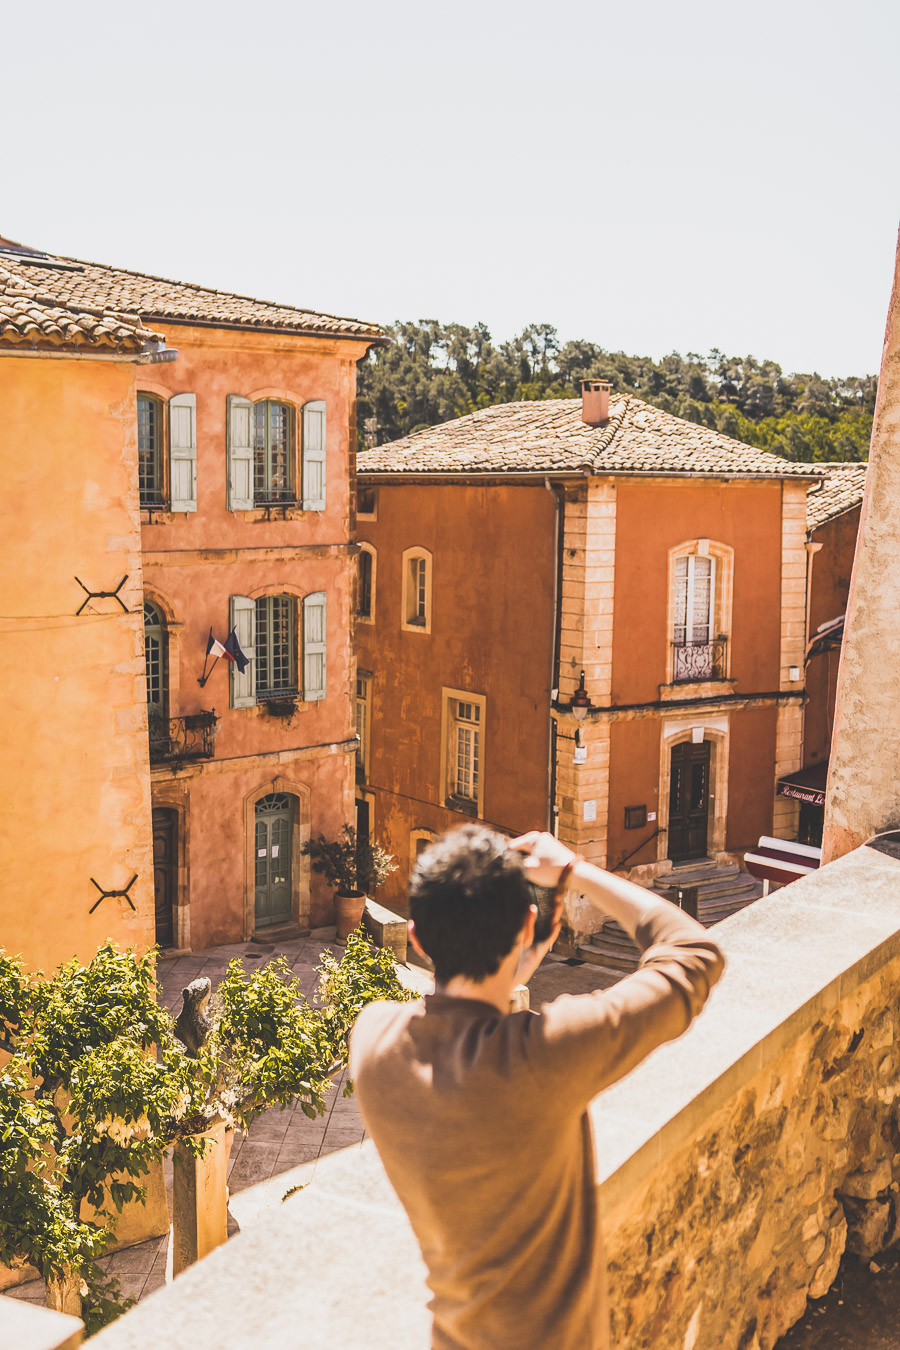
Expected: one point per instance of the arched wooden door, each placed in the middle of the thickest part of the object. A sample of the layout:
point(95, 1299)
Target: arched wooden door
point(165, 872)
point(272, 859)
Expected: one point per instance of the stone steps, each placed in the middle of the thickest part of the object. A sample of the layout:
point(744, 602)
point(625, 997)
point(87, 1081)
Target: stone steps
point(722, 891)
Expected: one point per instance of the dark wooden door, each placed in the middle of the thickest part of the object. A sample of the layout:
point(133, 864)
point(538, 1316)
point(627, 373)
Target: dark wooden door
point(362, 820)
point(689, 801)
point(165, 873)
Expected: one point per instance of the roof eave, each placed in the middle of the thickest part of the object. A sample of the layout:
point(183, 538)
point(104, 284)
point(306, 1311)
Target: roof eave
point(370, 338)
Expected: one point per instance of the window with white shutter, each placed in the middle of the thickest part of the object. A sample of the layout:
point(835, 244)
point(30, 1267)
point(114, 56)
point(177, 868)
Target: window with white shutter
point(242, 617)
point(276, 628)
point(239, 432)
point(313, 454)
point(150, 463)
point(183, 452)
point(315, 630)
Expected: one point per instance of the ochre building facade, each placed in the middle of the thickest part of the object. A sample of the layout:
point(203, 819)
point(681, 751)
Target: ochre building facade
point(76, 794)
point(241, 453)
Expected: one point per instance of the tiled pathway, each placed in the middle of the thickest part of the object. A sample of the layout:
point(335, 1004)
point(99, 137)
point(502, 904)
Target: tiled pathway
point(281, 1149)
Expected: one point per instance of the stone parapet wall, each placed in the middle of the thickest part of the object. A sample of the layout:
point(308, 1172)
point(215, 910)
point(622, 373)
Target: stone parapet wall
point(724, 1243)
point(739, 1207)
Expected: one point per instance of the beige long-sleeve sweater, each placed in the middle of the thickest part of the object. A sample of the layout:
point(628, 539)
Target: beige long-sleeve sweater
point(480, 1120)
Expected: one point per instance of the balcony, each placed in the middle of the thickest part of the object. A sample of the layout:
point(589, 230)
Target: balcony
point(176, 739)
point(694, 661)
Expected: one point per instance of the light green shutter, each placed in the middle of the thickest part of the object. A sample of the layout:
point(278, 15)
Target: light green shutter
point(315, 629)
point(242, 616)
point(240, 453)
point(183, 452)
point(314, 456)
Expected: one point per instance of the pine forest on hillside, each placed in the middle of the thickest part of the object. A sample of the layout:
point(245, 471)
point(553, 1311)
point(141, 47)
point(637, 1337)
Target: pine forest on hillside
point(433, 372)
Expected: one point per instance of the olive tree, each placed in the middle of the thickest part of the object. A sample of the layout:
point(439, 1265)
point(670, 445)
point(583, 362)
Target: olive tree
point(98, 1086)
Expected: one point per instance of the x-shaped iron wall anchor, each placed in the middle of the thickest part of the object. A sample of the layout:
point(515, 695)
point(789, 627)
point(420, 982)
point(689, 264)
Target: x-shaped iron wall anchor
point(113, 895)
point(102, 595)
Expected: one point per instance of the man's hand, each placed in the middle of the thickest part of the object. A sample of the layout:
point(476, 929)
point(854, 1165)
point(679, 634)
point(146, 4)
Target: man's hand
point(545, 857)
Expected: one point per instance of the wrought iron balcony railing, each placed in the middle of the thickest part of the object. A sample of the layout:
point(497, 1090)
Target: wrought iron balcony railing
point(180, 738)
point(699, 660)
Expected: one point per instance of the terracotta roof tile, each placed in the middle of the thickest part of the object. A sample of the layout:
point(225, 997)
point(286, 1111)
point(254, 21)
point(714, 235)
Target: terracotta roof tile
point(549, 437)
point(95, 286)
point(32, 320)
point(842, 489)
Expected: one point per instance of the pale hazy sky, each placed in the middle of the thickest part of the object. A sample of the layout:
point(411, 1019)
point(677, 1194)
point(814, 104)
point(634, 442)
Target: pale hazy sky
point(651, 176)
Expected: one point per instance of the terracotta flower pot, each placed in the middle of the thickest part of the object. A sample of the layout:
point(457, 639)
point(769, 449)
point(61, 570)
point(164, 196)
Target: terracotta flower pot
point(349, 910)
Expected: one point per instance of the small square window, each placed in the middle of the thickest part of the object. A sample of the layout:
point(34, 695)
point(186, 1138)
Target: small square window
point(635, 817)
point(366, 502)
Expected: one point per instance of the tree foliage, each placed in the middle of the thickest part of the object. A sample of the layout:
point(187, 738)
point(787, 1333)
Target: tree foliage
point(97, 1087)
point(433, 372)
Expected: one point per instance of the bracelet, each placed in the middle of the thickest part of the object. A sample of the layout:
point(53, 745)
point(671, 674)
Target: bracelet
point(564, 875)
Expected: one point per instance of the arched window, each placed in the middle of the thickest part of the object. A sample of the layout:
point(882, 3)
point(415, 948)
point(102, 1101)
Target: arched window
point(365, 606)
point(155, 663)
point(700, 573)
point(416, 598)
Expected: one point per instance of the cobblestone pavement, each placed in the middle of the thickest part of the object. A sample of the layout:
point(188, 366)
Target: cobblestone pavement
point(281, 1148)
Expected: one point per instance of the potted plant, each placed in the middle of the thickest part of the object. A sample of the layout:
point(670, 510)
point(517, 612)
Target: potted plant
point(355, 868)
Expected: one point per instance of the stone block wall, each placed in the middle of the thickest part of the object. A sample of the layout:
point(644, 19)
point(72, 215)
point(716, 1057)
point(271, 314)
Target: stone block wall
point(723, 1242)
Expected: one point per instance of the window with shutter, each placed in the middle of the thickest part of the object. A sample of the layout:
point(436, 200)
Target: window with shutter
point(150, 430)
point(242, 614)
point(272, 453)
point(276, 628)
point(315, 630)
point(313, 450)
point(240, 453)
point(183, 452)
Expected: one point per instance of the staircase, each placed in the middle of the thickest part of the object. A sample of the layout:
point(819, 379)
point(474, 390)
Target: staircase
point(721, 890)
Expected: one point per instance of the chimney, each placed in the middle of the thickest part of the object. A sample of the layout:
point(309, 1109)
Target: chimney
point(595, 402)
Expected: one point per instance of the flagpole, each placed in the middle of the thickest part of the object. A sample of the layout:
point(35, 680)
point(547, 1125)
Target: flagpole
point(204, 677)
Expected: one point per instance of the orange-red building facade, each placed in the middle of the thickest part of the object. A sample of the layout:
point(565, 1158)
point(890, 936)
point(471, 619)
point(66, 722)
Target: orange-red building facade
point(536, 580)
point(290, 758)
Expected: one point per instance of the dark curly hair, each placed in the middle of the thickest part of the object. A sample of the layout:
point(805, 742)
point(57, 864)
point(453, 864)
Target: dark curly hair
point(469, 897)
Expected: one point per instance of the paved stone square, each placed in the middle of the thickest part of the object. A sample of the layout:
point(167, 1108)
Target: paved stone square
point(281, 1149)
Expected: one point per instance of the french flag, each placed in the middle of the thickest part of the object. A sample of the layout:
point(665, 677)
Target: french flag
point(216, 648)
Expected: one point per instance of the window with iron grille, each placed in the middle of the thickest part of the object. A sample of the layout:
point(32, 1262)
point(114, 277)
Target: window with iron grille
point(276, 644)
point(150, 460)
point(272, 453)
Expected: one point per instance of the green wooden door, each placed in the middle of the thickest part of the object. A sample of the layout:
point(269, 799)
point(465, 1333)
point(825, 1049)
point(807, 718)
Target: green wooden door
point(273, 859)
